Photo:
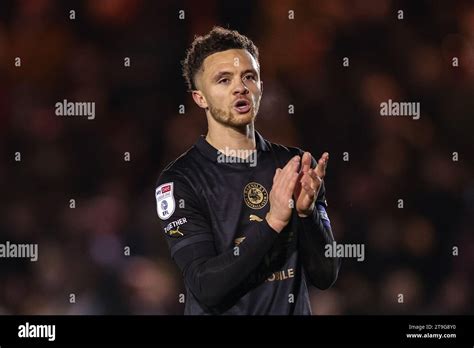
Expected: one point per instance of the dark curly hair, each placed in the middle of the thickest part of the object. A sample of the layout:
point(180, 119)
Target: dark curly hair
point(217, 40)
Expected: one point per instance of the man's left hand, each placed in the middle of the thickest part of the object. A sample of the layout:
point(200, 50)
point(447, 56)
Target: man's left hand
point(308, 185)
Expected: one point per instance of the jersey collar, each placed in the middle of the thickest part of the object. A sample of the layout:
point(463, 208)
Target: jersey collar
point(212, 153)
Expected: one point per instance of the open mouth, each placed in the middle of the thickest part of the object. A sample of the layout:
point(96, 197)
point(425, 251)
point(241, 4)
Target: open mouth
point(242, 106)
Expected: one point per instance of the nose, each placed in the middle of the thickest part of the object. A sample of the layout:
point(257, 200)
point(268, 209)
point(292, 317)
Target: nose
point(241, 88)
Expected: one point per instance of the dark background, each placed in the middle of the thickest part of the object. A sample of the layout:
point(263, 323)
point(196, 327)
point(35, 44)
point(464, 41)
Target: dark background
point(408, 251)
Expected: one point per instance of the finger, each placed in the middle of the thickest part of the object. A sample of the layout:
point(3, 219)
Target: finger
point(275, 177)
point(306, 178)
point(315, 177)
point(322, 164)
point(315, 185)
point(289, 165)
point(292, 184)
point(306, 162)
point(301, 177)
point(279, 178)
point(289, 169)
point(312, 180)
point(310, 191)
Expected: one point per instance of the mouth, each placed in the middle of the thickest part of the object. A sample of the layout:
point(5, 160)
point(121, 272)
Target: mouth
point(242, 106)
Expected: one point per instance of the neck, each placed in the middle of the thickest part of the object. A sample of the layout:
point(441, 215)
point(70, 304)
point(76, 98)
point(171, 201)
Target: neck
point(227, 138)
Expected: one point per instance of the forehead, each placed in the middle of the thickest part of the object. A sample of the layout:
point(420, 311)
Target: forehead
point(233, 59)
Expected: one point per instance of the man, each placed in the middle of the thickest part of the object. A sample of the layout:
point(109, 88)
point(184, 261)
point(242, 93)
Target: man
point(244, 218)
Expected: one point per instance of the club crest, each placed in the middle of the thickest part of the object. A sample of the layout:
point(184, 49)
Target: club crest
point(255, 195)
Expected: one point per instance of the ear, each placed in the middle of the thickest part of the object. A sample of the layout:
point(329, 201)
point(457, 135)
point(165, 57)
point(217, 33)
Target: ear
point(199, 99)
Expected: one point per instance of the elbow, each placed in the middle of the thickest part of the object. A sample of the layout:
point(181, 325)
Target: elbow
point(208, 288)
point(325, 278)
point(216, 299)
point(214, 303)
point(212, 298)
point(323, 283)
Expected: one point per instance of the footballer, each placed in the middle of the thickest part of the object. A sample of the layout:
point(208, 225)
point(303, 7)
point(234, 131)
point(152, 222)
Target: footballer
point(245, 219)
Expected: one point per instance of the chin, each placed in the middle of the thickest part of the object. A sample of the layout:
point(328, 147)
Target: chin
point(242, 120)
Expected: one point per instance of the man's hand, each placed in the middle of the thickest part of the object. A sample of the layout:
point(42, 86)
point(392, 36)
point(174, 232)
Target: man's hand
point(284, 183)
point(309, 183)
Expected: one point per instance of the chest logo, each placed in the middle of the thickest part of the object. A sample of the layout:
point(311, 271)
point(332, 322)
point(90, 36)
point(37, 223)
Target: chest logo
point(255, 195)
point(255, 218)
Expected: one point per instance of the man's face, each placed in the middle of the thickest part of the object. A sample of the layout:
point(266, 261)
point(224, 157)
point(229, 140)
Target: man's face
point(229, 86)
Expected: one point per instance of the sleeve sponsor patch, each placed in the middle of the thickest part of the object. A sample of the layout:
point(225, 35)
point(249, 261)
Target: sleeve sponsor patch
point(165, 203)
point(172, 229)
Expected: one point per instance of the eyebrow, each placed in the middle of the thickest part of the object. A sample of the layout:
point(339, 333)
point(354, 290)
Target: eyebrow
point(253, 71)
point(221, 74)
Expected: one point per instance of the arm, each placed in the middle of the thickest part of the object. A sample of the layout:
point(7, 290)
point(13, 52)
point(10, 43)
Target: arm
point(315, 233)
point(214, 278)
point(315, 228)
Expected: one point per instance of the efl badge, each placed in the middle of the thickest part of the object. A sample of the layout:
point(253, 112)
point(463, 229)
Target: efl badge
point(165, 203)
point(255, 195)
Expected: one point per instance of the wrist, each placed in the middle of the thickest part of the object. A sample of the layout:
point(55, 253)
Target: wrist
point(275, 224)
point(306, 213)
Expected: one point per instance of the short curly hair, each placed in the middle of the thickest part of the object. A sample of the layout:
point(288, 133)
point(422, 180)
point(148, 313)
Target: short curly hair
point(217, 40)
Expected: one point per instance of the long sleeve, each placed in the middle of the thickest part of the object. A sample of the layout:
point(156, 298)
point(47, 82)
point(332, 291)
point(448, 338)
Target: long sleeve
point(212, 278)
point(315, 233)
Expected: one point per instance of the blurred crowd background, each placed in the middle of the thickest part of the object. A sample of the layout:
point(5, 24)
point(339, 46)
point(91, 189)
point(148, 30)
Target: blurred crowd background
point(409, 251)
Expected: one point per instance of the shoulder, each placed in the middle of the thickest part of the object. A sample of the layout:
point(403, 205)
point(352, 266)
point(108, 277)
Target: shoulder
point(279, 149)
point(289, 151)
point(173, 184)
point(179, 169)
point(285, 153)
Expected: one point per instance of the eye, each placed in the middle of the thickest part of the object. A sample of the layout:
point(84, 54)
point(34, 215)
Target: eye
point(249, 76)
point(224, 80)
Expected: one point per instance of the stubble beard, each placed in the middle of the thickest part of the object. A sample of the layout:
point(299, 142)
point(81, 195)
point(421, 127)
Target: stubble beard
point(230, 118)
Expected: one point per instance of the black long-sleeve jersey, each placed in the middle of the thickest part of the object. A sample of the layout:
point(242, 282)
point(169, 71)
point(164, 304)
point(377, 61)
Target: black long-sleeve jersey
point(212, 212)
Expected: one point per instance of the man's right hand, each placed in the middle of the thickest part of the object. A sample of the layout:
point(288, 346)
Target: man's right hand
point(281, 202)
